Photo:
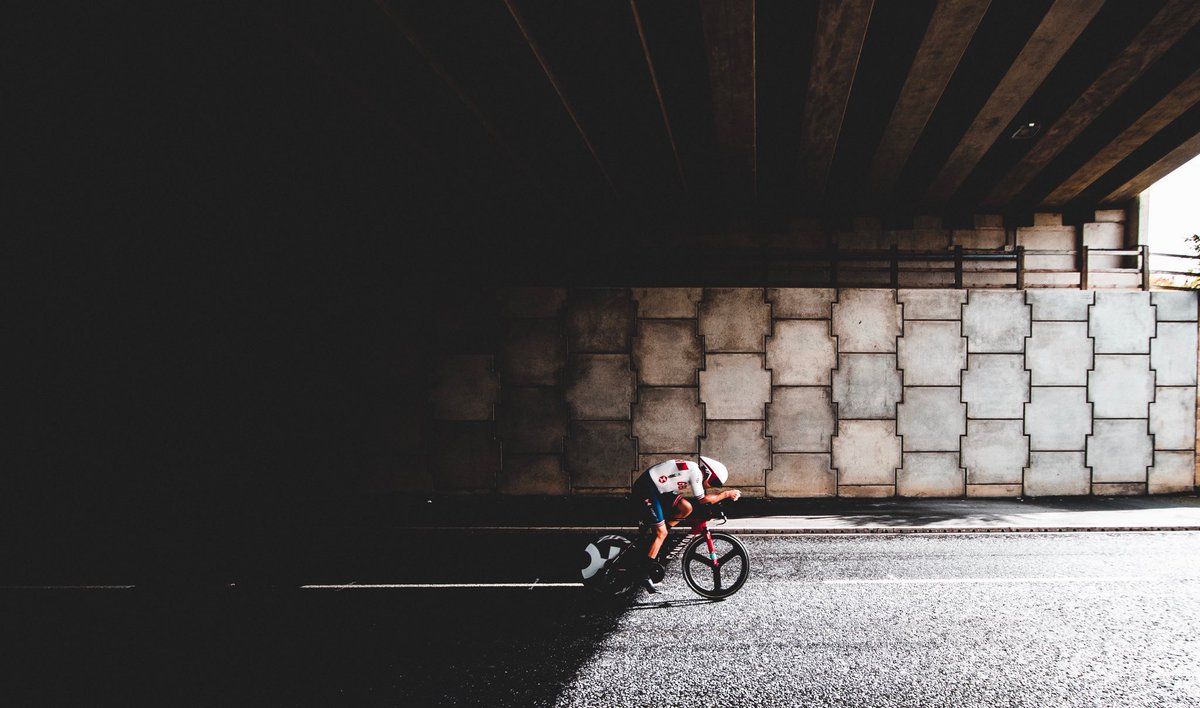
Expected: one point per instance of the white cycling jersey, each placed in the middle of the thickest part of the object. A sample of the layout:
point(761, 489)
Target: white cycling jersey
point(677, 476)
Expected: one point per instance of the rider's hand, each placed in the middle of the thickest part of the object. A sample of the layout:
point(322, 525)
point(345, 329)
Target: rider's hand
point(734, 494)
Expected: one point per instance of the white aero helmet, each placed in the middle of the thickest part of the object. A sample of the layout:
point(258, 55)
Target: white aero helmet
point(716, 473)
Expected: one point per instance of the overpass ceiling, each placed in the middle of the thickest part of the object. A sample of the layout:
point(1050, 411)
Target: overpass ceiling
point(774, 107)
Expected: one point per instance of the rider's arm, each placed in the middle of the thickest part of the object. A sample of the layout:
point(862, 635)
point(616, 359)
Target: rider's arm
point(713, 498)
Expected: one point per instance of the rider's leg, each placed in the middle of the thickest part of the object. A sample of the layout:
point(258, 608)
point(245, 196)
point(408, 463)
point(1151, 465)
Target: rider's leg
point(680, 511)
point(660, 536)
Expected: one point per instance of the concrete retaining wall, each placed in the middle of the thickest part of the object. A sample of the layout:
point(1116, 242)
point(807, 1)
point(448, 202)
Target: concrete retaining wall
point(823, 392)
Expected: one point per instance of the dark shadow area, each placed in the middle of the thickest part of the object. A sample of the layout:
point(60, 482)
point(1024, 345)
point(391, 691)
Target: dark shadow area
point(506, 648)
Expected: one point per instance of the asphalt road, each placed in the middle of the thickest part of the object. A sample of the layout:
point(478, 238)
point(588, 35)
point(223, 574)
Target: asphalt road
point(1006, 619)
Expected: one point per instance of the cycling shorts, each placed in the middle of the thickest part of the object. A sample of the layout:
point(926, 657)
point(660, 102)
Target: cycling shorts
point(654, 500)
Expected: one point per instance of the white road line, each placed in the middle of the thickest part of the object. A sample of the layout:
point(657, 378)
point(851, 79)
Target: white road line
point(961, 581)
point(439, 586)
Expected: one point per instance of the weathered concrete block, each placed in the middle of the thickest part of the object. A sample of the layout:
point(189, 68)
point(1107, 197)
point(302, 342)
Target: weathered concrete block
point(932, 304)
point(801, 353)
point(996, 386)
point(741, 445)
point(1058, 418)
point(1122, 323)
point(978, 238)
point(1119, 450)
point(464, 388)
point(930, 474)
point(866, 321)
point(931, 419)
point(1047, 219)
point(534, 474)
point(1173, 472)
point(988, 221)
point(994, 491)
point(601, 387)
point(801, 476)
point(667, 352)
point(599, 320)
point(932, 353)
point(667, 302)
point(534, 353)
point(1059, 354)
point(1174, 306)
point(866, 491)
point(735, 387)
point(1173, 354)
point(995, 322)
point(667, 420)
point(995, 451)
point(734, 319)
point(802, 303)
point(920, 239)
point(866, 452)
point(531, 302)
point(466, 457)
point(1047, 237)
point(1057, 474)
point(1116, 216)
point(531, 420)
point(800, 419)
point(1173, 418)
point(1072, 305)
point(866, 386)
point(1119, 489)
point(600, 454)
point(1104, 234)
point(1121, 386)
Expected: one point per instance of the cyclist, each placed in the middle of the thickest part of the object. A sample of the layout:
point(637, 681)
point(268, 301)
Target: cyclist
point(664, 486)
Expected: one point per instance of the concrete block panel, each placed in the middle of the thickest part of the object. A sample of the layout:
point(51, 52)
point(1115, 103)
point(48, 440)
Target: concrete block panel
point(996, 322)
point(802, 303)
point(994, 491)
point(1173, 472)
point(1174, 306)
point(995, 451)
point(866, 491)
point(1119, 489)
point(531, 302)
point(1047, 219)
point(1104, 234)
point(600, 454)
point(531, 420)
point(667, 420)
point(800, 419)
point(1121, 386)
point(1110, 215)
point(930, 474)
point(866, 321)
point(932, 353)
point(866, 452)
point(667, 302)
point(1071, 305)
point(464, 388)
point(601, 387)
point(667, 352)
point(996, 386)
point(1119, 450)
point(1173, 354)
point(801, 353)
point(735, 387)
point(1173, 418)
point(534, 475)
point(866, 386)
point(931, 419)
point(980, 238)
point(1059, 354)
point(599, 320)
point(801, 476)
point(741, 445)
point(1058, 418)
point(533, 353)
point(1122, 323)
point(932, 304)
point(734, 319)
point(1057, 474)
point(466, 457)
